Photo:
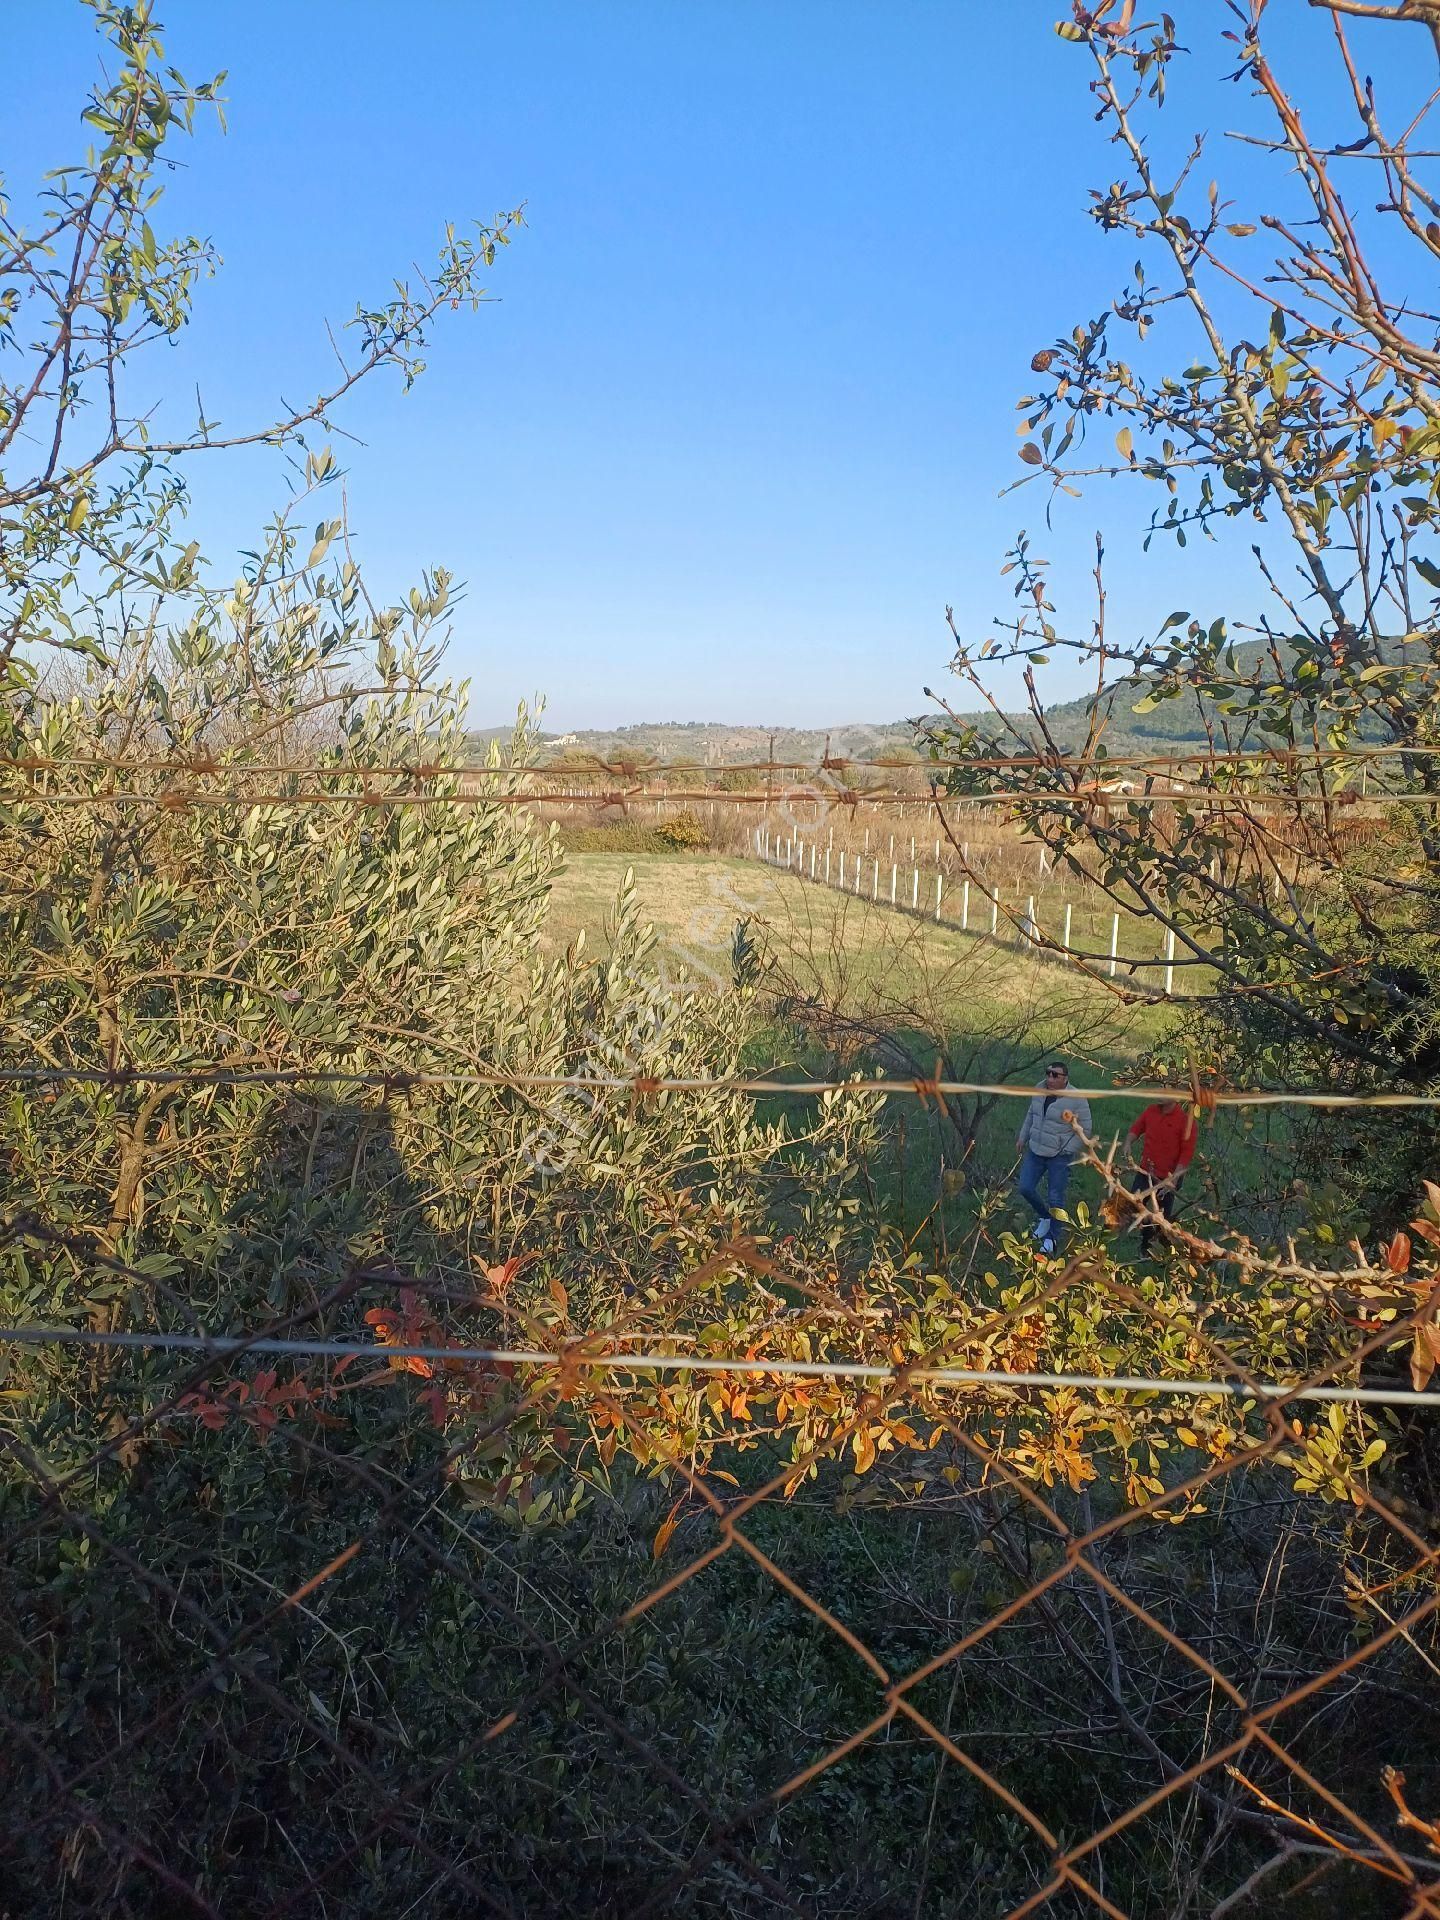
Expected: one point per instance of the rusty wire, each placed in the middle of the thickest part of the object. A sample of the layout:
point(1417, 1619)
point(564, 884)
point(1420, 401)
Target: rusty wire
point(1198, 1094)
point(1286, 757)
point(1252, 1772)
point(1214, 800)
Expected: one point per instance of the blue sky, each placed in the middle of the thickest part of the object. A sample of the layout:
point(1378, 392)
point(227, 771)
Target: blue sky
point(733, 434)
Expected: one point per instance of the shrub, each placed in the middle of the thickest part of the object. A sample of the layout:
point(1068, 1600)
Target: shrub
point(684, 833)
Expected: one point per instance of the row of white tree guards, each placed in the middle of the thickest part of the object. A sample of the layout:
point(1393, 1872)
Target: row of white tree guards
point(861, 874)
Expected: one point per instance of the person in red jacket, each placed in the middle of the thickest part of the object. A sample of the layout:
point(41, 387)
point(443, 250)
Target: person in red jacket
point(1166, 1132)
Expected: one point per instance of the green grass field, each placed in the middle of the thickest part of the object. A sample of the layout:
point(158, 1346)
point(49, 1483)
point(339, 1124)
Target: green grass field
point(995, 1007)
point(694, 902)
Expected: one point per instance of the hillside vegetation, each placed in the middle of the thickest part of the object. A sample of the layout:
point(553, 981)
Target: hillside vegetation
point(1173, 724)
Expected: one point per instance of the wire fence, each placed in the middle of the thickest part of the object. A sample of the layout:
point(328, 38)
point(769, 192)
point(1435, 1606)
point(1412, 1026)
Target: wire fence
point(1203, 1094)
point(179, 800)
point(477, 794)
point(1287, 758)
point(1201, 778)
point(406, 1597)
point(733, 1682)
point(584, 1353)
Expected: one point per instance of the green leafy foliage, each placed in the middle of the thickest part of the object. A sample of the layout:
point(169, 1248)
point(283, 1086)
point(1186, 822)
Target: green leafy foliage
point(92, 495)
point(255, 908)
point(1301, 894)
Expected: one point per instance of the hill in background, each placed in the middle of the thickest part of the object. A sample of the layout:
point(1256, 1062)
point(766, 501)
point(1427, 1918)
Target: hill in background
point(1174, 725)
point(714, 743)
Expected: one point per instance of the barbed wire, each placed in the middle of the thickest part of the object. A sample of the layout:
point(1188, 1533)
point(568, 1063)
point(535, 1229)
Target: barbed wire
point(471, 791)
point(170, 800)
point(632, 765)
point(643, 1086)
point(226, 1346)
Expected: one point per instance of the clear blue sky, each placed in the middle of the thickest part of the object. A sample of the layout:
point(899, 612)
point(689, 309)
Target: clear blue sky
point(734, 433)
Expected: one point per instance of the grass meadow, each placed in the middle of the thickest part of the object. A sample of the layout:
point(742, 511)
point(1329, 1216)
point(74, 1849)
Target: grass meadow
point(860, 987)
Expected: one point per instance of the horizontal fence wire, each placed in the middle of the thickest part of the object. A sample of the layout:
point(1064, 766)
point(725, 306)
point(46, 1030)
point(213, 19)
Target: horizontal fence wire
point(643, 1086)
point(225, 1346)
point(390, 1815)
point(1091, 764)
point(1214, 801)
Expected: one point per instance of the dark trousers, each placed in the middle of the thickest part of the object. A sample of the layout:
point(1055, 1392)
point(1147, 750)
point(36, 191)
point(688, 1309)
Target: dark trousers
point(1149, 1187)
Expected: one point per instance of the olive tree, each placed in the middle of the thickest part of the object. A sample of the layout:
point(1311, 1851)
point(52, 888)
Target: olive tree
point(91, 493)
point(1268, 370)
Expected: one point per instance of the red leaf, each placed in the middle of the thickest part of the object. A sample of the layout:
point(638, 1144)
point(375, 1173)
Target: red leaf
point(500, 1277)
point(1397, 1254)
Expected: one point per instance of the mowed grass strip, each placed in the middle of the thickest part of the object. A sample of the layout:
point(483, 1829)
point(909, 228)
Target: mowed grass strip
point(996, 1002)
point(694, 902)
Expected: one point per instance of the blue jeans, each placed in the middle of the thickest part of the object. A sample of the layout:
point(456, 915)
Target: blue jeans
point(1054, 1172)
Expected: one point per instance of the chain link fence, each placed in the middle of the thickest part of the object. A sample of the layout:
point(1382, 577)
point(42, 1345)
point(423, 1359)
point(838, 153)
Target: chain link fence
point(279, 1645)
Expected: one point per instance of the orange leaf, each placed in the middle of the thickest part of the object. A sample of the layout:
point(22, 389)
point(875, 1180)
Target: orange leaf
point(1397, 1254)
point(667, 1528)
point(1422, 1360)
point(500, 1277)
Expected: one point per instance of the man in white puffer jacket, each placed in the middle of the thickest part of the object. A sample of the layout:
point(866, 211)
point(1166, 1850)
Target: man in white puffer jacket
point(1049, 1142)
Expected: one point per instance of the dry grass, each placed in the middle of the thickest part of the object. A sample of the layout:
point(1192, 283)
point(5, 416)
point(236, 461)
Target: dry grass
point(857, 948)
point(901, 846)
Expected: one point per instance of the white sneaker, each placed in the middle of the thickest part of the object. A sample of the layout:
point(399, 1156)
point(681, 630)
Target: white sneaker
point(1042, 1229)
point(1047, 1245)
